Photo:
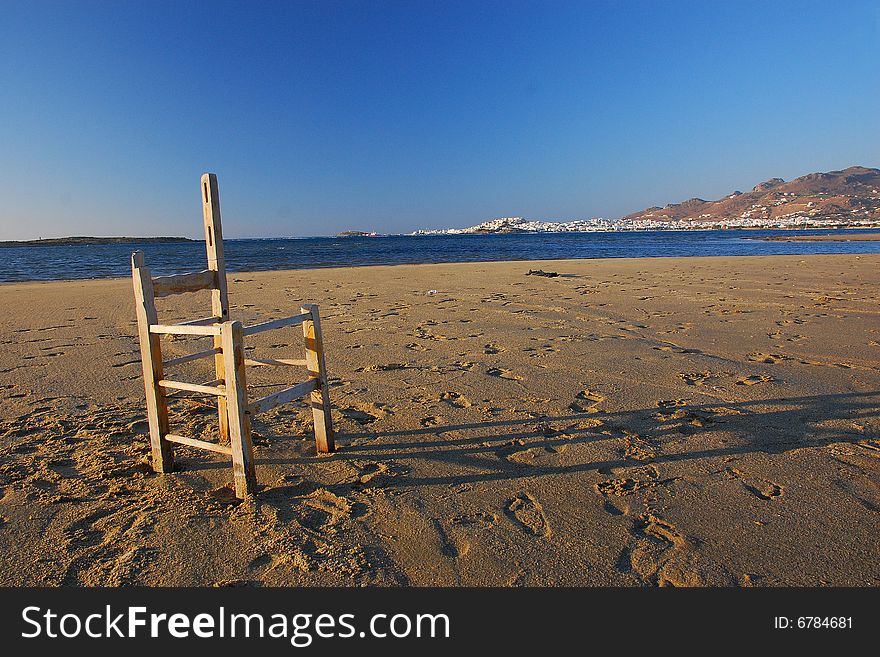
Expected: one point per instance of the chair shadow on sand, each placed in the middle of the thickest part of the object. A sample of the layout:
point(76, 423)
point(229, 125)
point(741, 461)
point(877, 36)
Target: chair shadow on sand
point(795, 424)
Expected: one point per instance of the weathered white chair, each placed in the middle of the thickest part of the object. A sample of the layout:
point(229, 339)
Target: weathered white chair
point(230, 385)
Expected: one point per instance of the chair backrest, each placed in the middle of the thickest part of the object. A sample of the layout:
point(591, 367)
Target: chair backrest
point(214, 245)
point(213, 278)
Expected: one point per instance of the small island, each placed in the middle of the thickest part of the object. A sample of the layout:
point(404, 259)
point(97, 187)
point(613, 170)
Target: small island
point(74, 241)
point(356, 233)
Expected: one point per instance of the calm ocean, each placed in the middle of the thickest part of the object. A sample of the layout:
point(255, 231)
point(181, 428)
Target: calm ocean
point(28, 263)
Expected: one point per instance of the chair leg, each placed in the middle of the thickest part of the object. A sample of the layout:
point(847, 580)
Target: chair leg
point(236, 407)
point(157, 412)
point(151, 361)
point(319, 398)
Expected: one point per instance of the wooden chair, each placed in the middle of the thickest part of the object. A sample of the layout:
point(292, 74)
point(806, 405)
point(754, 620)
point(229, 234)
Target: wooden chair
point(229, 385)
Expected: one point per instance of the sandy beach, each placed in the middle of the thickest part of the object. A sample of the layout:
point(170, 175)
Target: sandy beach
point(693, 421)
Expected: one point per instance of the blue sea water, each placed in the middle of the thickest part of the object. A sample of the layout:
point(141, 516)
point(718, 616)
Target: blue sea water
point(27, 263)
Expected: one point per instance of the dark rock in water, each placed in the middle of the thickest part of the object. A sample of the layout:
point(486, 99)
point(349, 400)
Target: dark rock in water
point(541, 272)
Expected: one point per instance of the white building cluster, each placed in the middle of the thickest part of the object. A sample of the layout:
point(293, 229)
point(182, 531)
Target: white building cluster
point(755, 216)
point(520, 225)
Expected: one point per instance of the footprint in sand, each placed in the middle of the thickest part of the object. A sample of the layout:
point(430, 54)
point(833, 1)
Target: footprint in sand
point(683, 326)
point(761, 488)
point(672, 411)
point(697, 378)
point(503, 374)
point(646, 477)
point(423, 333)
point(64, 467)
point(359, 416)
point(477, 520)
point(86, 532)
point(636, 447)
point(388, 367)
point(592, 399)
point(266, 562)
point(591, 396)
point(770, 359)
point(378, 474)
point(457, 533)
point(676, 349)
point(448, 546)
point(722, 411)
point(767, 490)
point(455, 399)
point(621, 487)
point(666, 405)
point(755, 379)
point(660, 555)
point(527, 512)
point(543, 456)
point(323, 511)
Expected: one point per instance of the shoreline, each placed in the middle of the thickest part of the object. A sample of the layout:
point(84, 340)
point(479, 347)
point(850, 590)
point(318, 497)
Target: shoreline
point(841, 237)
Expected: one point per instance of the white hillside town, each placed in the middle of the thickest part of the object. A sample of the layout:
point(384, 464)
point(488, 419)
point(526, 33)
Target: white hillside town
point(754, 217)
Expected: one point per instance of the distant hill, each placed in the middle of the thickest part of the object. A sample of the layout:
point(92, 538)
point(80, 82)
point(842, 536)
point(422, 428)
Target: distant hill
point(844, 196)
point(69, 241)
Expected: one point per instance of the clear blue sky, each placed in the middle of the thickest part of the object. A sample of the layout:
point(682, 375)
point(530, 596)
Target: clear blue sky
point(322, 116)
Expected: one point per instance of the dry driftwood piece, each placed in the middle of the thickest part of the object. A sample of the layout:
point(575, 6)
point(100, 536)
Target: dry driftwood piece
point(230, 385)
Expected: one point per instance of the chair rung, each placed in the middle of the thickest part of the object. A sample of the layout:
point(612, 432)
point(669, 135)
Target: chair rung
point(189, 357)
point(282, 397)
point(256, 362)
point(204, 321)
point(164, 286)
point(193, 387)
point(177, 329)
point(275, 324)
point(201, 444)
